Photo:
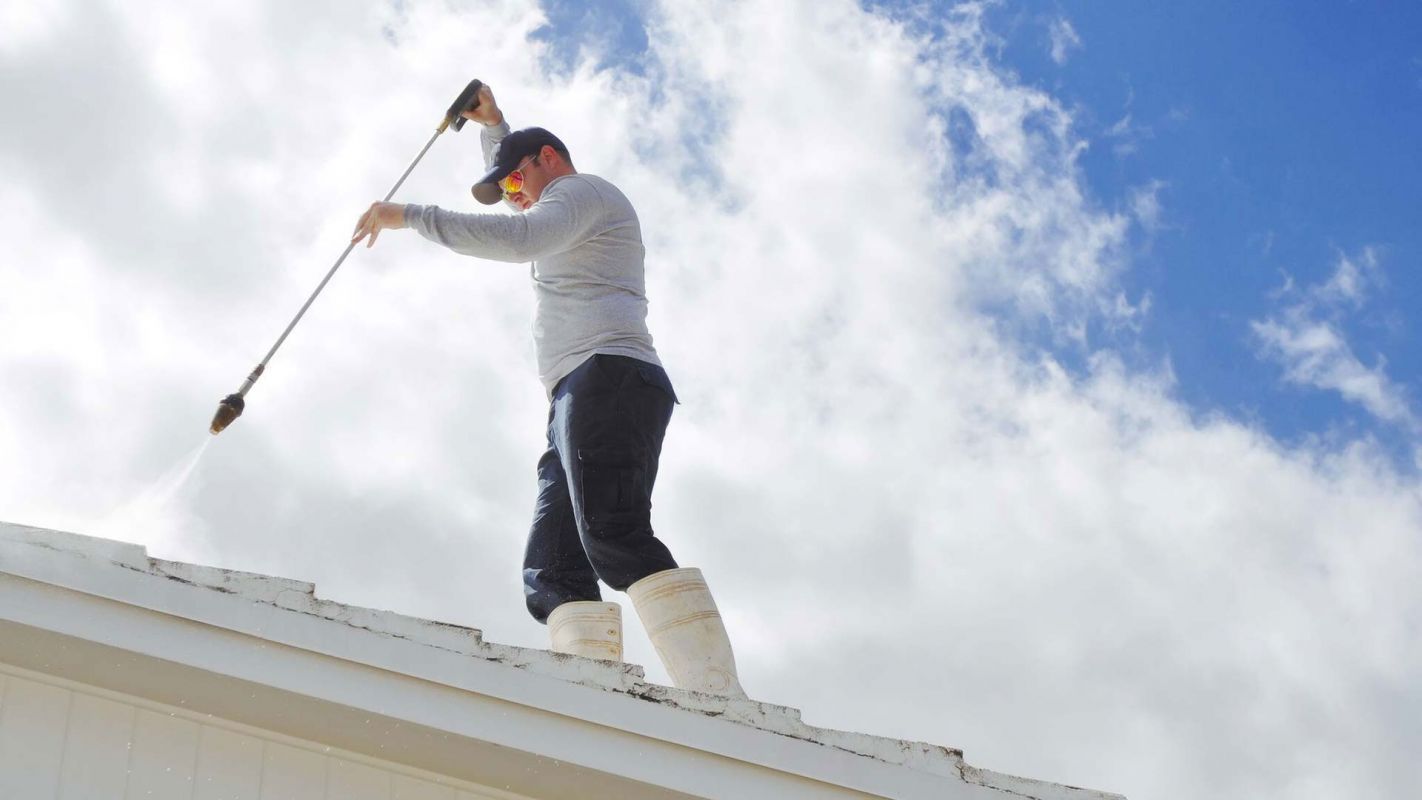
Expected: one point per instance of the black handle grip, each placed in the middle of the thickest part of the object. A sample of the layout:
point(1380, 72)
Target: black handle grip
point(468, 100)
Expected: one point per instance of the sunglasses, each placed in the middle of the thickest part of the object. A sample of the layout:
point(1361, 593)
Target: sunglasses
point(513, 182)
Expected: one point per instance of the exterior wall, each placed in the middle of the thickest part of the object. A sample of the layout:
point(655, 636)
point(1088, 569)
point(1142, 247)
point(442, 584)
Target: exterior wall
point(69, 741)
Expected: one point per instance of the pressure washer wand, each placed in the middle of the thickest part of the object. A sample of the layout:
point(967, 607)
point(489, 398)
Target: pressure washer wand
point(232, 405)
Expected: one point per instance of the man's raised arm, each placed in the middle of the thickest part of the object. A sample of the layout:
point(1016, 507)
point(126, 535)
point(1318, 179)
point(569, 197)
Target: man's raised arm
point(493, 128)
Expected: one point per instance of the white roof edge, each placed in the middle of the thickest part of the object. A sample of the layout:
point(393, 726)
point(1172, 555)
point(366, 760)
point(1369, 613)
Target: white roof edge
point(22, 546)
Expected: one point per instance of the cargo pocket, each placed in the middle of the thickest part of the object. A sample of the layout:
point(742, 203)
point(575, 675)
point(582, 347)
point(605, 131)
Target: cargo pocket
point(614, 486)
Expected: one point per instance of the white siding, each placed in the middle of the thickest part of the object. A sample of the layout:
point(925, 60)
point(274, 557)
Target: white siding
point(229, 766)
point(63, 740)
point(163, 758)
point(290, 773)
point(356, 781)
point(32, 722)
point(96, 748)
point(411, 789)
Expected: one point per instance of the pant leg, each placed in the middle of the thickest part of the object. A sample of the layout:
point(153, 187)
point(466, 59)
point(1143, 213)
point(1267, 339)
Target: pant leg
point(555, 567)
point(610, 416)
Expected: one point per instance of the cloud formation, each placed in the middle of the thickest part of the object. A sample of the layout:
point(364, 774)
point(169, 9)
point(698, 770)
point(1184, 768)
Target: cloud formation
point(917, 520)
point(1064, 39)
point(1307, 339)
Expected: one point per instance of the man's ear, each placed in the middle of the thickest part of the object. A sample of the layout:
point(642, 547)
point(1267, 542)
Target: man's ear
point(549, 153)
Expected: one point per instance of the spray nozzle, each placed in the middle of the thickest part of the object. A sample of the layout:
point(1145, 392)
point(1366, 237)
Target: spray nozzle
point(227, 412)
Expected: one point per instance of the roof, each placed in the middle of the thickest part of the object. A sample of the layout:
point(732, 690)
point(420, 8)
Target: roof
point(68, 602)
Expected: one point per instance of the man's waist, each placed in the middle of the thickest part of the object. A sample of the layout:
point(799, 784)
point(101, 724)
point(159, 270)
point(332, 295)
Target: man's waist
point(553, 367)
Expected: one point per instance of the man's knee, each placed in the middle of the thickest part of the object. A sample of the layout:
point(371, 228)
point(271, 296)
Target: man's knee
point(546, 589)
point(538, 607)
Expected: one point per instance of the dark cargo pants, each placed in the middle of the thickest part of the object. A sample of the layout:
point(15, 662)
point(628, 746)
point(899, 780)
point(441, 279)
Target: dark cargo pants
point(593, 517)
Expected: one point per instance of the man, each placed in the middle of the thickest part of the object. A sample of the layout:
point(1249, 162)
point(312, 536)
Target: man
point(610, 402)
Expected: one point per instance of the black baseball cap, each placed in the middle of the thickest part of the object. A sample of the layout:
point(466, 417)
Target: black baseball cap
point(512, 150)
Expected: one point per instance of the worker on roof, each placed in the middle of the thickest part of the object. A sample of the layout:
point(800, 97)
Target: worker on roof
point(610, 401)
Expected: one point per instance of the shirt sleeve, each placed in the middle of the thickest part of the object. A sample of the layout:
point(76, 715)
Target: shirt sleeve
point(489, 138)
point(564, 217)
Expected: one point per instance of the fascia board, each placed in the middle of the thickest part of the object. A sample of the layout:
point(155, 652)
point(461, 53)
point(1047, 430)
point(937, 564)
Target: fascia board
point(290, 651)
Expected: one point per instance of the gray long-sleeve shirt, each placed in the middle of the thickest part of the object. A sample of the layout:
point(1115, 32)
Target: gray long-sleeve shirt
point(585, 245)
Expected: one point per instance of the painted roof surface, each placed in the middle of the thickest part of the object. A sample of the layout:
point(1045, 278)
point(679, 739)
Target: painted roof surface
point(21, 546)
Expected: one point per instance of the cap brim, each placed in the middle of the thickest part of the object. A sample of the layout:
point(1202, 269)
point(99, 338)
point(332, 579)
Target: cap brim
point(487, 193)
point(486, 190)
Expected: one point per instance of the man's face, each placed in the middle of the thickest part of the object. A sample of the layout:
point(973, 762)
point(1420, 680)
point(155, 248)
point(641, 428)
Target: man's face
point(535, 177)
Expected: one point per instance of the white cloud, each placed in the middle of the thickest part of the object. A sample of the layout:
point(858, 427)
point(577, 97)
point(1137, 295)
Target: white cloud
point(1064, 39)
point(1350, 281)
point(1307, 339)
point(28, 25)
point(915, 526)
point(1145, 205)
point(1317, 354)
point(1126, 134)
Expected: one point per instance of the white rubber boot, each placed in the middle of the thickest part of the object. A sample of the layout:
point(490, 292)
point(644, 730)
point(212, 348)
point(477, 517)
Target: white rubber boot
point(681, 619)
point(587, 628)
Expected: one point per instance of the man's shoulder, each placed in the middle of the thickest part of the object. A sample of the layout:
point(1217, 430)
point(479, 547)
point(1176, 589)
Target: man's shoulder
point(584, 185)
point(584, 181)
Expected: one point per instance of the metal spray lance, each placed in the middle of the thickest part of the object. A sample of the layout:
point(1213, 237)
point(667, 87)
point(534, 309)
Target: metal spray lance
point(233, 404)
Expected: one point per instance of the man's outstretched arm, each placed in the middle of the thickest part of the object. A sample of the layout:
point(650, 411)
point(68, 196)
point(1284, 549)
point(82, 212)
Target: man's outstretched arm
point(566, 216)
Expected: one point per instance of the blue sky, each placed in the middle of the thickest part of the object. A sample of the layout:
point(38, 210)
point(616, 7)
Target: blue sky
point(1276, 138)
point(1284, 133)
